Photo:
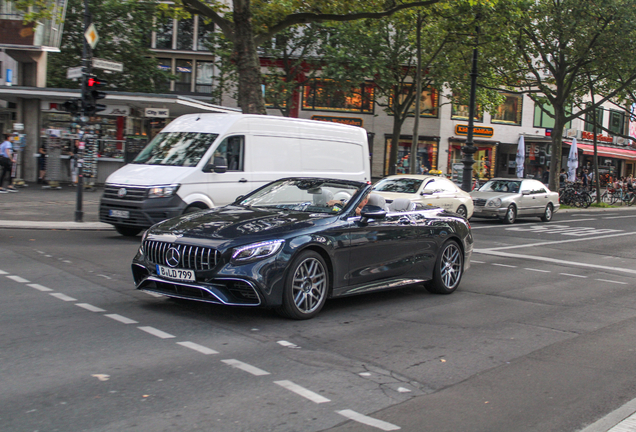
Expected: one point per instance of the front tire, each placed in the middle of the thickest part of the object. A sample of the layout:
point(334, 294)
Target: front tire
point(547, 214)
point(306, 287)
point(128, 231)
point(461, 210)
point(511, 215)
point(449, 267)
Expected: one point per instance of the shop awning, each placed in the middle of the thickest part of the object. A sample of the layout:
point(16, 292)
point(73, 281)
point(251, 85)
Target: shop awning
point(611, 152)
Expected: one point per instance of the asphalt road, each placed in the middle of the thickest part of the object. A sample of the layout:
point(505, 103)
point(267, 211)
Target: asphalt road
point(539, 337)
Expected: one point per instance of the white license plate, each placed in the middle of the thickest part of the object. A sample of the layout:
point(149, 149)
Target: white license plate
point(177, 274)
point(477, 209)
point(124, 214)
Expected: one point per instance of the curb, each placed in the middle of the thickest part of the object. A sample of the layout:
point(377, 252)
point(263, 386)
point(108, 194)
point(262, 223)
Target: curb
point(91, 226)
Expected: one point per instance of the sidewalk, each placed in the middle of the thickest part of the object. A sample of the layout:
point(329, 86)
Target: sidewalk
point(36, 208)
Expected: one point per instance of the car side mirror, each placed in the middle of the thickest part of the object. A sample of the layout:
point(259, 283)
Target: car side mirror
point(219, 165)
point(426, 192)
point(525, 192)
point(372, 212)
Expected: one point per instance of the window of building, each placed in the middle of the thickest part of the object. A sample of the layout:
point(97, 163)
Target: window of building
point(426, 155)
point(164, 34)
point(185, 34)
point(183, 71)
point(589, 118)
point(617, 121)
point(428, 101)
point(510, 111)
point(461, 112)
point(325, 95)
point(165, 64)
point(541, 118)
point(204, 77)
point(204, 34)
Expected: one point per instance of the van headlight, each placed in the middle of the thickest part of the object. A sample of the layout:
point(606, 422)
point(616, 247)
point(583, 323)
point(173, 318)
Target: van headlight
point(496, 202)
point(256, 251)
point(163, 191)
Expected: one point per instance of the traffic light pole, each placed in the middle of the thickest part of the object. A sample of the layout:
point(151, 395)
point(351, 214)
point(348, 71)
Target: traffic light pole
point(86, 70)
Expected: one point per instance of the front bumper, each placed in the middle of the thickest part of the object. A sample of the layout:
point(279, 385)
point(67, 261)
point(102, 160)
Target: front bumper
point(489, 212)
point(143, 213)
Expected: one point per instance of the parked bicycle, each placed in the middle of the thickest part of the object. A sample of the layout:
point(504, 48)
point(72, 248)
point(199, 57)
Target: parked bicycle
point(575, 195)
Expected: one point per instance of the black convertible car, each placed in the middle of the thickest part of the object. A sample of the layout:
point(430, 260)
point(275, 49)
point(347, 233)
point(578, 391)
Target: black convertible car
point(295, 242)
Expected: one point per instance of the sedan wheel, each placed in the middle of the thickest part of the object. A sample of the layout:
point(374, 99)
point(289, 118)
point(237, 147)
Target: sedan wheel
point(461, 210)
point(448, 270)
point(306, 287)
point(547, 214)
point(511, 215)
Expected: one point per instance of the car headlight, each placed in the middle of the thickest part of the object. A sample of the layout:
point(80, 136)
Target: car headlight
point(163, 191)
point(256, 251)
point(143, 238)
point(496, 202)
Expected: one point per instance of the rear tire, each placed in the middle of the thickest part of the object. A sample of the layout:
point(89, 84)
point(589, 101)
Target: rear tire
point(461, 210)
point(128, 231)
point(449, 267)
point(547, 214)
point(193, 208)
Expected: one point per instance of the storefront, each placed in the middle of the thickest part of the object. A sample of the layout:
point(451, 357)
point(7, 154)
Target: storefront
point(613, 161)
point(427, 153)
point(484, 167)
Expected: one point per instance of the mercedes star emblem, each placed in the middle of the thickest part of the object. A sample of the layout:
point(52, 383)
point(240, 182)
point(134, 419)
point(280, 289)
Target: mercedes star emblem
point(172, 257)
point(121, 192)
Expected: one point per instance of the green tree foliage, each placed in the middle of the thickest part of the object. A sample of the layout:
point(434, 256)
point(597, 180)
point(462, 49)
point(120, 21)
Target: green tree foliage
point(560, 49)
point(124, 28)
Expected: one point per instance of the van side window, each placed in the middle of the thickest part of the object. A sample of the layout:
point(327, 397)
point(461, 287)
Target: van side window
point(232, 148)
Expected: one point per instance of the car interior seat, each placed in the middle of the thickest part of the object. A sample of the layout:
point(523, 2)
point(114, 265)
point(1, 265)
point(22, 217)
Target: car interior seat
point(377, 200)
point(401, 205)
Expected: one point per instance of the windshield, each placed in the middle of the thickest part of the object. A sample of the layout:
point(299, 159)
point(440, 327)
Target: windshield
point(305, 195)
point(399, 185)
point(176, 149)
point(501, 186)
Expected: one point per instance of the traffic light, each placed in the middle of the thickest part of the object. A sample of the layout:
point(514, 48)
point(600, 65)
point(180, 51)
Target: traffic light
point(74, 106)
point(92, 95)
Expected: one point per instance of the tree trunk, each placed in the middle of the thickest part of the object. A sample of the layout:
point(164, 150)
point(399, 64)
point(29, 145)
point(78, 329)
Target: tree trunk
point(557, 140)
point(395, 139)
point(250, 94)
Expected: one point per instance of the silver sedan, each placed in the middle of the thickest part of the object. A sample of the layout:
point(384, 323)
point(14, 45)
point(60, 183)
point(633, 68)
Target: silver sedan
point(508, 199)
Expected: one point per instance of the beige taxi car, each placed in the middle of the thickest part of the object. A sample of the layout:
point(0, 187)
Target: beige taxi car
point(426, 190)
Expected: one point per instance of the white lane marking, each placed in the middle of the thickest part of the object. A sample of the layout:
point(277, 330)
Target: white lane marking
point(152, 294)
point(245, 367)
point(39, 287)
point(545, 243)
point(553, 260)
point(566, 230)
point(197, 347)
point(627, 425)
point(287, 344)
point(504, 265)
point(573, 275)
point(403, 390)
point(18, 279)
point(121, 319)
point(537, 270)
point(104, 276)
point(301, 391)
point(472, 261)
point(156, 332)
point(612, 281)
point(577, 220)
point(90, 307)
point(2, 272)
point(63, 297)
point(618, 217)
point(369, 421)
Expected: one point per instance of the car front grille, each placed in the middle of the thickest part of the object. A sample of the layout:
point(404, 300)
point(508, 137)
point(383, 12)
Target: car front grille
point(190, 257)
point(133, 193)
point(479, 202)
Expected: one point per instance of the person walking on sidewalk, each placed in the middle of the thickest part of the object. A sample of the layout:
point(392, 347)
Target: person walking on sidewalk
point(6, 163)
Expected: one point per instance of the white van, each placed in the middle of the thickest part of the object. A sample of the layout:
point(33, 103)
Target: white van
point(203, 161)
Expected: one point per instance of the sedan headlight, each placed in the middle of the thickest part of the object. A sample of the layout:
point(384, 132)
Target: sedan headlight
point(256, 251)
point(163, 191)
point(496, 202)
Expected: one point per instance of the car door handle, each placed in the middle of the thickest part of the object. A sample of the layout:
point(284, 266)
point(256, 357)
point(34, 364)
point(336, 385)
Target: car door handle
point(404, 221)
point(243, 180)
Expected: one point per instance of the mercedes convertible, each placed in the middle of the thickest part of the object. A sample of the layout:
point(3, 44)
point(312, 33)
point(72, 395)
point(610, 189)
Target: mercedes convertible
point(293, 243)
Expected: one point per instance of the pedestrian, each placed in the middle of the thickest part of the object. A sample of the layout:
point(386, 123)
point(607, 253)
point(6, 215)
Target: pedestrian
point(563, 177)
point(73, 162)
point(6, 163)
point(545, 178)
point(42, 164)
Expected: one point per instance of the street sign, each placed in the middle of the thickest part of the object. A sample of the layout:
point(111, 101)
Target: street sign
point(18, 126)
point(91, 35)
point(74, 72)
point(108, 65)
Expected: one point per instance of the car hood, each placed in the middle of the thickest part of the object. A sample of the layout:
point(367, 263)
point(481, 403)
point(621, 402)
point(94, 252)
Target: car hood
point(491, 195)
point(148, 175)
point(231, 222)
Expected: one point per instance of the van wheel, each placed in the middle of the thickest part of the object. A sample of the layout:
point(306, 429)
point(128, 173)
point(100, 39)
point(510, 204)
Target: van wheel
point(128, 231)
point(193, 208)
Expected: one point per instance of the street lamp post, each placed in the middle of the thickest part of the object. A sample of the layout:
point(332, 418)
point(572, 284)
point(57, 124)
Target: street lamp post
point(469, 148)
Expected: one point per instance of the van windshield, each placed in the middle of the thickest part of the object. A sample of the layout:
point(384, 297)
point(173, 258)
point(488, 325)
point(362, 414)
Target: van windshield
point(176, 149)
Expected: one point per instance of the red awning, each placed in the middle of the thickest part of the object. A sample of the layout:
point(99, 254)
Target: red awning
point(617, 153)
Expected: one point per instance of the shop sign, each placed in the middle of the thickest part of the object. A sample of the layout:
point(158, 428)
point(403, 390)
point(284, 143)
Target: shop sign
point(548, 132)
point(18, 126)
point(343, 120)
point(116, 110)
point(590, 136)
point(157, 112)
point(478, 131)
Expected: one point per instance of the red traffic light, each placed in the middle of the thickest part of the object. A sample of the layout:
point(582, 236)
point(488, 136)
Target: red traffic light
point(96, 82)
